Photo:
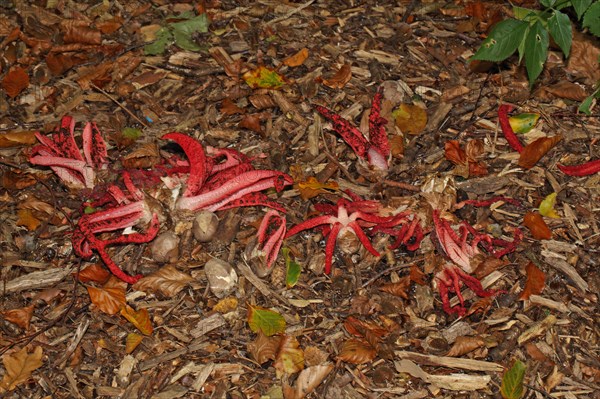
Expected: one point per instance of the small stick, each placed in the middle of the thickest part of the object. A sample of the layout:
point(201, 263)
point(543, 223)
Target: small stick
point(124, 108)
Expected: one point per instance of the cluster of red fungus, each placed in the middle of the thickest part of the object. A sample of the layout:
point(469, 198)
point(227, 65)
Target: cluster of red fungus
point(219, 179)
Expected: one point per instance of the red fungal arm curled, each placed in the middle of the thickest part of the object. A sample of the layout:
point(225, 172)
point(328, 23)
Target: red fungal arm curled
point(584, 169)
point(509, 134)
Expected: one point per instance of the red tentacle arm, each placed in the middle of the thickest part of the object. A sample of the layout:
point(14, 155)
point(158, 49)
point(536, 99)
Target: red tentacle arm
point(330, 246)
point(238, 187)
point(351, 135)
point(198, 162)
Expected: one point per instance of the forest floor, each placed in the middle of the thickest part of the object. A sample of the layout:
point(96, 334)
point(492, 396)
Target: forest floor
point(453, 202)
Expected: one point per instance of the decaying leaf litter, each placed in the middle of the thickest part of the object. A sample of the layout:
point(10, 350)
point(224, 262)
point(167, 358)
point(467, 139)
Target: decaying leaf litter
point(282, 91)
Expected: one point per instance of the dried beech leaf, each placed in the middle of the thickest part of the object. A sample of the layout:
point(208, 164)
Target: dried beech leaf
point(536, 280)
point(454, 153)
point(251, 122)
point(264, 348)
point(139, 318)
point(17, 180)
point(340, 78)
point(311, 187)
point(308, 380)
point(143, 157)
point(228, 107)
point(109, 298)
point(95, 272)
point(17, 138)
point(296, 59)
point(167, 280)
point(536, 225)
point(398, 289)
point(464, 345)
point(132, 341)
point(76, 31)
point(356, 351)
point(27, 219)
point(20, 316)
point(15, 81)
point(535, 150)
point(19, 366)
point(411, 119)
point(290, 358)
point(417, 275)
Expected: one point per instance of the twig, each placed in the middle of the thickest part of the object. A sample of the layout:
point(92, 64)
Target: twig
point(124, 108)
point(389, 270)
point(405, 186)
point(289, 14)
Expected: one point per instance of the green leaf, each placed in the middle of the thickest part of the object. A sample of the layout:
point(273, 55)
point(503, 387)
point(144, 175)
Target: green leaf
point(547, 206)
point(131, 133)
point(523, 14)
point(264, 78)
point(521, 47)
point(512, 381)
point(293, 269)
point(580, 6)
point(502, 41)
point(265, 320)
point(591, 19)
point(587, 103)
point(547, 3)
point(163, 38)
point(536, 51)
point(559, 26)
point(523, 123)
point(183, 31)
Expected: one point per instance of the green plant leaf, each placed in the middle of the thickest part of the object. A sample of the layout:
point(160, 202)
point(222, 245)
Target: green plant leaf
point(559, 26)
point(512, 381)
point(502, 41)
point(183, 31)
point(293, 269)
point(131, 133)
point(587, 103)
point(157, 47)
point(548, 3)
point(521, 47)
point(536, 51)
point(523, 14)
point(523, 123)
point(580, 6)
point(265, 320)
point(591, 19)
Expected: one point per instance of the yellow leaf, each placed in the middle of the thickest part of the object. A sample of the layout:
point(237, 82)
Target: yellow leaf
point(411, 119)
point(226, 305)
point(296, 59)
point(265, 320)
point(290, 358)
point(547, 206)
point(132, 341)
point(264, 78)
point(523, 123)
point(311, 187)
point(140, 319)
point(19, 367)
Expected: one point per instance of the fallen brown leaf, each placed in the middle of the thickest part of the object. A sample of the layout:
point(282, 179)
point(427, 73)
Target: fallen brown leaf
point(167, 280)
point(536, 280)
point(536, 225)
point(356, 351)
point(109, 298)
point(535, 150)
point(20, 316)
point(15, 81)
point(464, 345)
point(296, 59)
point(19, 367)
point(340, 78)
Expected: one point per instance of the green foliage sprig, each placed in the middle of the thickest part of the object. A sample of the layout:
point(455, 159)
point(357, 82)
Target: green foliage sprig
point(529, 33)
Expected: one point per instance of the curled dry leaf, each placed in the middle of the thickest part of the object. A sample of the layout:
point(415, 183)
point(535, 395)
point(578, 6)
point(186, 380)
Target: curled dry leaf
point(308, 379)
point(228, 107)
point(143, 157)
point(296, 59)
point(19, 367)
point(20, 316)
point(535, 150)
point(251, 122)
point(167, 280)
point(340, 78)
point(79, 31)
point(357, 351)
point(290, 357)
point(109, 298)
point(15, 81)
point(264, 348)
point(536, 280)
point(536, 225)
point(464, 345)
